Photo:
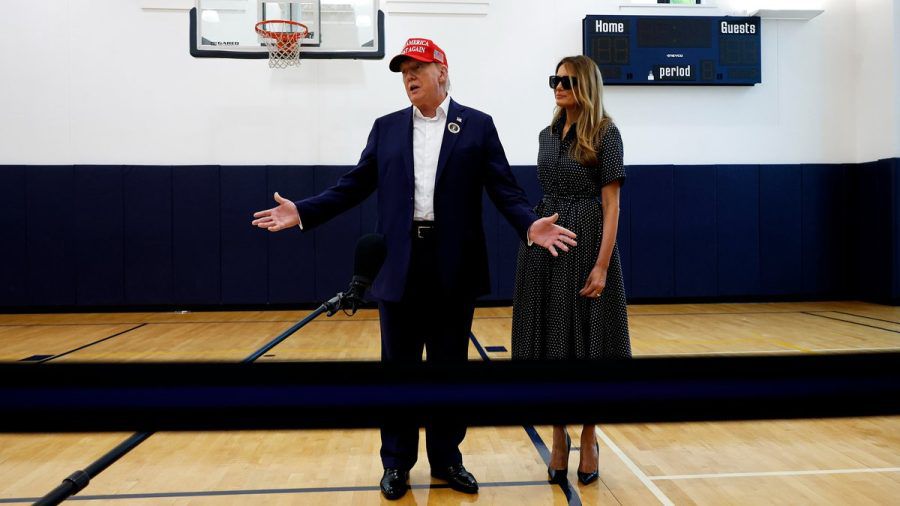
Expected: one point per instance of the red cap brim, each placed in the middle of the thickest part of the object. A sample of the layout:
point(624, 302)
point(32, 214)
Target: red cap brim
point(397, 60)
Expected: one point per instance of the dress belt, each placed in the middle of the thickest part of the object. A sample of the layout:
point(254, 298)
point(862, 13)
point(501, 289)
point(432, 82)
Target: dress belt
point(551, 196)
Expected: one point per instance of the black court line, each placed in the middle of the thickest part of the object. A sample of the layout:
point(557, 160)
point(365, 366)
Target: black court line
point(195, 322)
point(88, 345)
point(263, 491)
point(199, 322)
point(725, 313)
point(570, 493)
point(866, 317)
point(330, 320)
point(852, 322)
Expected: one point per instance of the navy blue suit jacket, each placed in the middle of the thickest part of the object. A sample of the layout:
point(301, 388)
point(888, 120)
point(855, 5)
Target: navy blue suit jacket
point(470, 161)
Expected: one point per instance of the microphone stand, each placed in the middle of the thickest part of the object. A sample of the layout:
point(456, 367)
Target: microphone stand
point(332, 306)
point(77, 481)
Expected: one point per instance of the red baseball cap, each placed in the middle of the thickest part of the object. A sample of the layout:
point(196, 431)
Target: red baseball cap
point(419, 49)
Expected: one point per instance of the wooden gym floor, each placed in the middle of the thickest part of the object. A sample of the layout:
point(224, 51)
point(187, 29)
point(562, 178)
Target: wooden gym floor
point(830, 461)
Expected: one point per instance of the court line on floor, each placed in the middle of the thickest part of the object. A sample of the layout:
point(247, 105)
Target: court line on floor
point(660, 496)
point(571, 494)
point(195, 322)
point(765, 352)
point(851, 322)
point(271, 491)
point(88, 345)
point(775, 473)
point(723, 313)
point(863, 316)
point(199, 322)
point(637, 315)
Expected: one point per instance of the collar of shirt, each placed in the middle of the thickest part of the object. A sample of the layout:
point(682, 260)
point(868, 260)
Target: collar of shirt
point(441, 109)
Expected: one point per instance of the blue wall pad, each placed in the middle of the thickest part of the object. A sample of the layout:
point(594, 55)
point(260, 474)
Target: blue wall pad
point(895, 215)
point(50, 206)
point(651, 191)
point(98, 233)
point(245, 265)
point(871, 223)
point(14, 226)
point(737, 225)
point(181, 236)
point(149, 271)
point(196, 229)
point(292, 254)
point(695, 231)
point(824, 229)
point(504, 257)
point(780, 229)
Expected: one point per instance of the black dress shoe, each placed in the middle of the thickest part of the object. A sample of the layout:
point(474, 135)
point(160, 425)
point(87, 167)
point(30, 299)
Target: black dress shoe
point(394, 483)
point(588, 478)
point(560, 476)
point(458, 478)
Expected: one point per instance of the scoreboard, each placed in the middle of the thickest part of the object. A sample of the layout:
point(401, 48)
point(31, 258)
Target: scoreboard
point(680, 50)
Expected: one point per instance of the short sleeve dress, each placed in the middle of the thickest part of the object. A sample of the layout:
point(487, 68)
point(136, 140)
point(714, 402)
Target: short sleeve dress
point(550, 320)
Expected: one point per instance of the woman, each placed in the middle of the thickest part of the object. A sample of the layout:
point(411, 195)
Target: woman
point(572, 307)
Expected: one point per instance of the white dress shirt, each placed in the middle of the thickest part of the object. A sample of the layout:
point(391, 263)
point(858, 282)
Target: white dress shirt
point(428, 135)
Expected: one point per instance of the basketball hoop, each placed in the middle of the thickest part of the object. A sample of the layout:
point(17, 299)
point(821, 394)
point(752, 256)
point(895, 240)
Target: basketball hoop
point(282, 39)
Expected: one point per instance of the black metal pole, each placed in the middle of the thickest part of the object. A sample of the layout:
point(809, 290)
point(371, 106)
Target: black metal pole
point(77, 481)
point(284, 335)
point(80, 479)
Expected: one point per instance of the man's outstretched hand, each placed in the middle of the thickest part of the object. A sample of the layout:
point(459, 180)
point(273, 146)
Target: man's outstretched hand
point(278, 218)
point(548, 235)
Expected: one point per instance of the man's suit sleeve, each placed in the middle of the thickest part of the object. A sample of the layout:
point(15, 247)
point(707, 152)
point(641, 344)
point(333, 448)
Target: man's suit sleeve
point(502, 187)
point(350, 190)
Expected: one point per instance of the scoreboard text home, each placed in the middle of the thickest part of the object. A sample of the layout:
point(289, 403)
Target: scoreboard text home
point(658, 50)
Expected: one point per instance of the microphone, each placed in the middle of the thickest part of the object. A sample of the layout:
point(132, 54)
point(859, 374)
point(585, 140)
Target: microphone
point(368, 259)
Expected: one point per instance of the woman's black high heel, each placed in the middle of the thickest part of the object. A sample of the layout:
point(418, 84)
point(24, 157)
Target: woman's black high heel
point(588, 478)
point(561, 475)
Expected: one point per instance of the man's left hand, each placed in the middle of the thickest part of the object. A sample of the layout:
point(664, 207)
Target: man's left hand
point(547, 234)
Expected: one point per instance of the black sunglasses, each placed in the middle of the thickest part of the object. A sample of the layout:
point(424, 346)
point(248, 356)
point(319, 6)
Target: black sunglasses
point(567, 82)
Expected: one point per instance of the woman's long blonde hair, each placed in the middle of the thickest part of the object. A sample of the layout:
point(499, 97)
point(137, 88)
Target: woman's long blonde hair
point(593, 121)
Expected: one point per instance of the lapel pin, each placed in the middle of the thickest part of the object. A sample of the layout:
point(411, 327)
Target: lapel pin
point(458, 119)
point(453, 127)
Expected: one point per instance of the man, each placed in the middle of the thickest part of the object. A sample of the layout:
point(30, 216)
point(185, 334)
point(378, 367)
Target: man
point(430, 164)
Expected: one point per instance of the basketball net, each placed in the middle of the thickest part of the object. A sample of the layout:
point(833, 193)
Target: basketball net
point(283, 40)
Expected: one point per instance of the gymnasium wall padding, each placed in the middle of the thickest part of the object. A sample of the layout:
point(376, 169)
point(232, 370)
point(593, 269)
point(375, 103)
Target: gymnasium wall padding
point(196, 235)
point(149, 265)
point(13, 224)
point(120, 236)
point(695, 231)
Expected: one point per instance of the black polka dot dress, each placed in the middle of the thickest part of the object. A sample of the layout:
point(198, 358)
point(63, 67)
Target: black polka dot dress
point(550, 319)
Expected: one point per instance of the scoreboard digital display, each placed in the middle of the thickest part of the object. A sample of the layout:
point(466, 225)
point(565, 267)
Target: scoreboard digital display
point(660, 50)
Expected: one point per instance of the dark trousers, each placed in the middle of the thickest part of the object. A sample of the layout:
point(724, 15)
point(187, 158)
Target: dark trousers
point(424, 320)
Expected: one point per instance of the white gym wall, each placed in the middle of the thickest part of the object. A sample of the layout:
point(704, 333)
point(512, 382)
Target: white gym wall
point(109, 82)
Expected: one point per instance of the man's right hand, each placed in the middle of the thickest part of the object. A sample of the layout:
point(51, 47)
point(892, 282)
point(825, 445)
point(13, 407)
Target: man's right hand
point(278, 218)
point(548, 235)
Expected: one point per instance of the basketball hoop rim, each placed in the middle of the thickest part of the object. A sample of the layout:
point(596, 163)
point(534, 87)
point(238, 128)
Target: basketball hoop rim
point(282, 36)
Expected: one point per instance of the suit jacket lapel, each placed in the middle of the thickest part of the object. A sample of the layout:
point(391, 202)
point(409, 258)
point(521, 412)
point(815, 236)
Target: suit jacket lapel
point(449, 140)
point(408, 163)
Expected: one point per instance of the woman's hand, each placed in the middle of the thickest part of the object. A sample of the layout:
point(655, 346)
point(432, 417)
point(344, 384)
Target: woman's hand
point(595, 283)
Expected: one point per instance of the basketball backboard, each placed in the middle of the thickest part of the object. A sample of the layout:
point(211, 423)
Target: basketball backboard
point(337, 28)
